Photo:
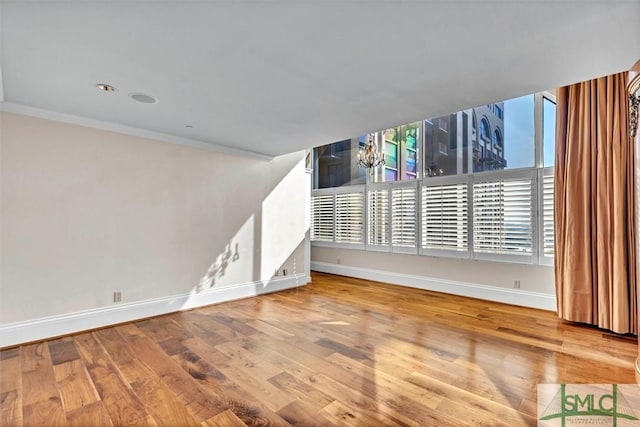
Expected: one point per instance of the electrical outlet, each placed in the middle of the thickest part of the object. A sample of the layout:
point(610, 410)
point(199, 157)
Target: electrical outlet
point(516, 284)
point(276, 272)
point(284, 271)
point(337, 260)
point(117, 296)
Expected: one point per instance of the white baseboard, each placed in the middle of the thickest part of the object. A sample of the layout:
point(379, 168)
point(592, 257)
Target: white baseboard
point(47, 327)
point(490, 293)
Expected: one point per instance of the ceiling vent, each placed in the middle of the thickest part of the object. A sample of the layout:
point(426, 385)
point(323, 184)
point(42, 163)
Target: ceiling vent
point(144, 98)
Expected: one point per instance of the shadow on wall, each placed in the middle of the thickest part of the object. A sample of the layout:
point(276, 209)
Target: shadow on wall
point(218, 268)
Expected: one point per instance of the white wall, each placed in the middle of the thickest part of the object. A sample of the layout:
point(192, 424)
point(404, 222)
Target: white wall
point(480, 279)
point(86, 212)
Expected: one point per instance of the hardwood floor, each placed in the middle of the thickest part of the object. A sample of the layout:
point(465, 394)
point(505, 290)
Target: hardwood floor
point(339, 351)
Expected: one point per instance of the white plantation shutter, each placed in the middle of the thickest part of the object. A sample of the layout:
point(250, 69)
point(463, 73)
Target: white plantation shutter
point(404, 199)
point(322, 217)
point(445, 217)
point(546, 234)
point(503, 217)
point(378, 226)
point(350, 217)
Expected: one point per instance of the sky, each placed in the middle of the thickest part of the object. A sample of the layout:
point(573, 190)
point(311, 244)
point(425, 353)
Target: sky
point(519, 145)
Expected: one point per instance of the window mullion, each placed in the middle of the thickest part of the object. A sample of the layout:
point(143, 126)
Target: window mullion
point(470, 181)
point(538, 130)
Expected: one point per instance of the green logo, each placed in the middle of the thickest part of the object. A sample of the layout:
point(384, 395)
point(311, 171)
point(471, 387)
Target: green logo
point(565, 405)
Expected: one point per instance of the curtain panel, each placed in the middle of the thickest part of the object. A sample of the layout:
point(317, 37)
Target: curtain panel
point(594, 206)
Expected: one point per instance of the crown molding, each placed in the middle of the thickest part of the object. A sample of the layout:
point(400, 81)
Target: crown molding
point(27, 110)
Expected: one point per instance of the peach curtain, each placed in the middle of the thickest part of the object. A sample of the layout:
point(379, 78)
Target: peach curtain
point(594, 206)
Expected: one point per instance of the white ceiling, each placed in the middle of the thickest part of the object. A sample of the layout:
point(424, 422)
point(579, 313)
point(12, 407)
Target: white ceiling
point(271, 77)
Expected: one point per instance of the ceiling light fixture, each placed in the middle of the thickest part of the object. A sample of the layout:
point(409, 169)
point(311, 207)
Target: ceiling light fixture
point(143, 97)
point(105, 87)
point(369, 157)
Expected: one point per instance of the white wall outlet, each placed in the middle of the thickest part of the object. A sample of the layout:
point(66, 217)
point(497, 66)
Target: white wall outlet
point(516, 284)
point(117, 296)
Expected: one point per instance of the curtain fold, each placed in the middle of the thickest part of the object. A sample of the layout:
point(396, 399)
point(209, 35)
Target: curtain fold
point(594, 206)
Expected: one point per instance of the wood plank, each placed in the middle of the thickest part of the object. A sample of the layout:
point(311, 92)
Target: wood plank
point(163, 405)
point(76, 388)
point(302, 413)
point(121, 402)
point(40, 396)
point(246, 407)
point(200, 404)
point(62, 351)
point(11, 408)
point(10, 373)
point(302, 391)
point(94, 414)
point(44, 413)
point(224, 419)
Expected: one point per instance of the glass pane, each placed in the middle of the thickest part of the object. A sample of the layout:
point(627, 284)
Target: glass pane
point(411, 163)
point(335, 165)
point(390, 135)
point(549, 132)
point(518, 149)
point(391, 155)
point(440, 147)
point(411, 137)
point(390, 174)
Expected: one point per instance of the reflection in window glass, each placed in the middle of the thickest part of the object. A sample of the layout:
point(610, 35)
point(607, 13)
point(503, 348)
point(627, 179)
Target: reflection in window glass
point(411, 163)
point(411, 137)
point(391, 155)
point(335, 165)
point(390, 175)
point(549, 132)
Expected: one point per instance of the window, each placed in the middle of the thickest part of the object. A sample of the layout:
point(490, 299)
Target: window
point(378, 217)
point(497, 139)
point(334, 166)
point(519, 133)
point(484, 129)
point(401, 147)
point(322, 217)
point(497, 111)
point(503, 216)
point(489, 198)
point(444, 217)
point(403, 218)
point(350, 217)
